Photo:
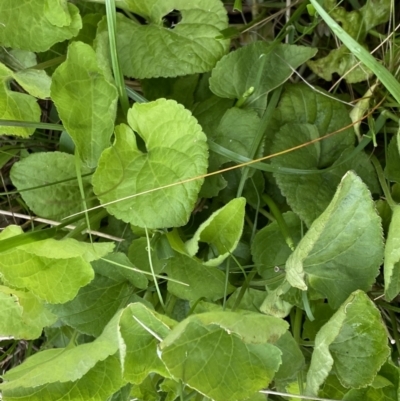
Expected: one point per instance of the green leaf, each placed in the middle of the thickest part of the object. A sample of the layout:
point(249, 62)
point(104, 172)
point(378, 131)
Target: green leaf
point(259, 65)
point(357, 24)
point(117, 266)
point(280, 300)
point(51, 201)
point(269, 248)
point(217, 363)
point(353, 343)
point(306, 115)
point(250, 327)
point(292, 358)
point(10, 231)
point(137, 325)
point(139, 256)
point(202, 281)
point(210, 111)
point(148, 390)
point(37, 25)
point(89, 28)
point(95, 304)
point(392, 257)
point(65, 364)
point(343, 248)
point(392, 168)
point(221, 231)
point(188, 47)
point(322, 312)
point(35, 82)
point(52, 270)
point(16, 105)
point(176, 151)
point(180, 89)
point(236, 132)
point(17, 59)
point(22, 315)
point(252, 299)
point(86, 102)
point(98, 384)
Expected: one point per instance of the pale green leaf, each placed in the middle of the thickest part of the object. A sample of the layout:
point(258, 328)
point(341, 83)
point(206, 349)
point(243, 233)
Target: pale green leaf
point(202, 281)
point(15, 105)
point(51, 201)
point(68, 248)
point(392, 257)
point(218, 364)
point(259, 65)
point(140, 328)
point(221, 231)
point(154, 50)
point(86, 102)
point(353, 344)
point(342, 62)
point(65, 364)
point(22, 315)
point(305, 115)
point(52, 270)
point(37, 25)
point(343, 249)
point(10, 231)
point(35, 82)
point(99, 383)
point(176, 151)
point(275, 303)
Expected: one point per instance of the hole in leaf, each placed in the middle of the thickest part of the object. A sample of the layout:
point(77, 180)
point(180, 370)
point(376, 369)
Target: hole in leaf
point(172, 19)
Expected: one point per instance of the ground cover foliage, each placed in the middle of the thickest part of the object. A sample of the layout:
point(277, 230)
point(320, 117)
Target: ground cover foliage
point(194, 209)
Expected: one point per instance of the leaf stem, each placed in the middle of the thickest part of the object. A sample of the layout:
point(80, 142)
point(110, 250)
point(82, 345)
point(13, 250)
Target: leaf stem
point(280, 220)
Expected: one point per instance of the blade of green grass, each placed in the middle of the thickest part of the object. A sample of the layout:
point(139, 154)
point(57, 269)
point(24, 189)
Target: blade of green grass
point(31, 124)
point(118, 76)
